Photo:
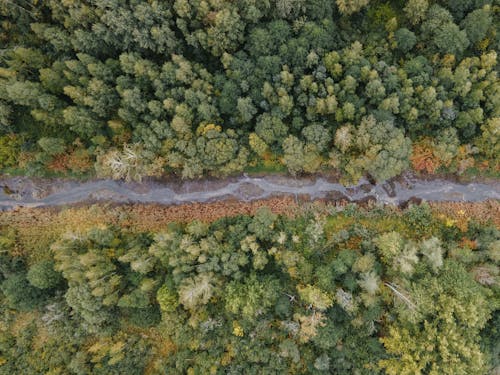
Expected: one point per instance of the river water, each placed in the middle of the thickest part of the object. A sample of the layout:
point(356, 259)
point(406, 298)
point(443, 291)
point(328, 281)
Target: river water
point(26, 192)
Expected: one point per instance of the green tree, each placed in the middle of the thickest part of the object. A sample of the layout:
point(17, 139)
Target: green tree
point(263, 224)
point(450, 39)
point(351, 6)
point(167, 299)
point(246, 109)
point(444, 339)
point(379, 149)
point(252, 297)
point(43, 275)
point(299, 157)
point(390, 245)
point(20, 294)
point(138, 299)
point(477, 24)
point(459, 8)
point(315, 297)
point(257, 144)
point(489, 142)
point(81, 121)
point(9, 150)
point(52, 146)
point(443, 33)
point(317, 135)
point(416, 10)
point(405, 39)
point(270, 128)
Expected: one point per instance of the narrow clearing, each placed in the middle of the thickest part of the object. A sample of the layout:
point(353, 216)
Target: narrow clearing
point(26, 192)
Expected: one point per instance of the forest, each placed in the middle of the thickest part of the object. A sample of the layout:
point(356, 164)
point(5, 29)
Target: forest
point(351, 91)
point(328, 291)
point(130, 89)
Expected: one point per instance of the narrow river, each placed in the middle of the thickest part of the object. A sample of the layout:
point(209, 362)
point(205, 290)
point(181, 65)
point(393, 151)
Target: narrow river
point(22, 191)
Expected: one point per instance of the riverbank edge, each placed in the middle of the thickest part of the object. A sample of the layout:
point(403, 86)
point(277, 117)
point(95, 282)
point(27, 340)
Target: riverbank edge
point(330, 175)
point(36, 228)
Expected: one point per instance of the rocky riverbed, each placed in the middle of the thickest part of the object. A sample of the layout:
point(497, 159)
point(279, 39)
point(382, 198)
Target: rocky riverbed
point(29, 192)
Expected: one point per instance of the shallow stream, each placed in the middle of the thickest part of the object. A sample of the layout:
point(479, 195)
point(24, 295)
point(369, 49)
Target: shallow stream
point(27, 192)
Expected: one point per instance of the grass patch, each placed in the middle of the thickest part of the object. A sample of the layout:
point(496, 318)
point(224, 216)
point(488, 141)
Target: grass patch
point(391, 222)
point(44, 173)
point(266, 167)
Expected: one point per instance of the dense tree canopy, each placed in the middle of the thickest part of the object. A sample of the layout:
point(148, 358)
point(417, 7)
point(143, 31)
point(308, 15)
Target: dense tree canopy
point(343, 292)
point(143, 88)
